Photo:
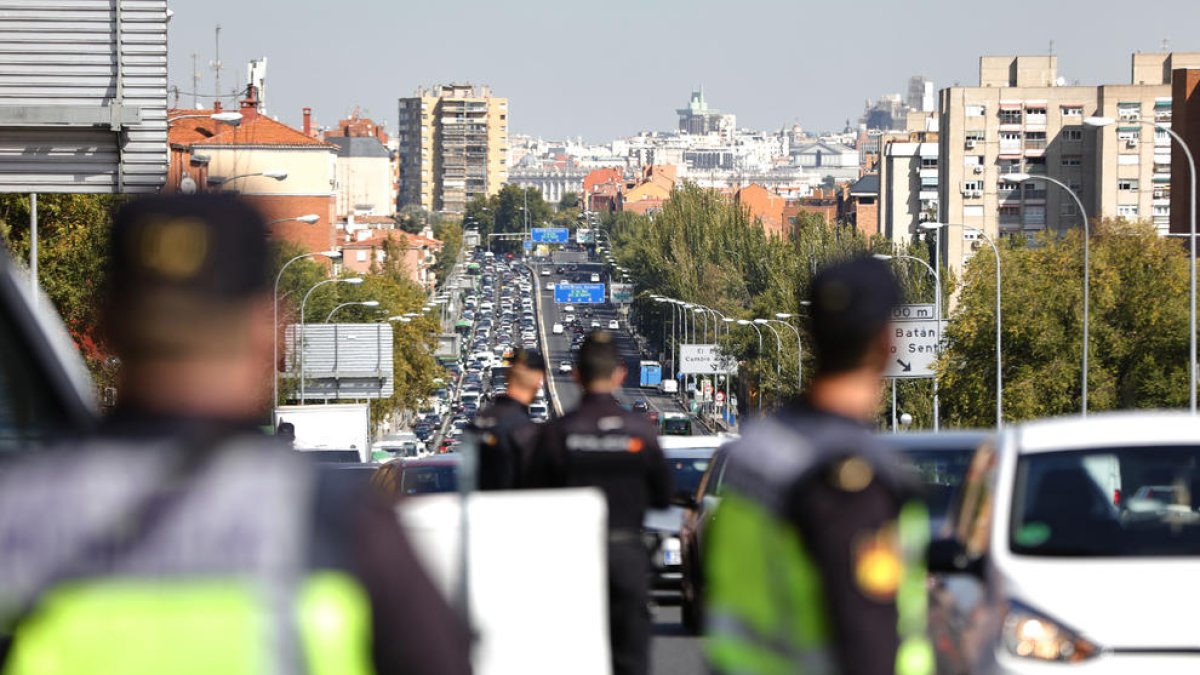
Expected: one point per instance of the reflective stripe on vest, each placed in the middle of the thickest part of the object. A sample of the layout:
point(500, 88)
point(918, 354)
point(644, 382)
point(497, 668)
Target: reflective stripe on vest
point(915, 655)
point(191, 626)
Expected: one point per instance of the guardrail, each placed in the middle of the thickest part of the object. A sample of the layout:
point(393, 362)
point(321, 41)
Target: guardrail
point(551, 389)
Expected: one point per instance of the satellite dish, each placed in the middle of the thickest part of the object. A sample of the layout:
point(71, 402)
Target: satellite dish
point(187, 185)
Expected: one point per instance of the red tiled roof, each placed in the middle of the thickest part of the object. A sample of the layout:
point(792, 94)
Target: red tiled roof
point(255, 130)
point(413, 241)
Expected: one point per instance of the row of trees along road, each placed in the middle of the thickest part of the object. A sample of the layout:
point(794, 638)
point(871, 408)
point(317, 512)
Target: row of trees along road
point(704, 250)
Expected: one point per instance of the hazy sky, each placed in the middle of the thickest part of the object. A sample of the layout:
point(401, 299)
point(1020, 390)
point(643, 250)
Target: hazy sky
point(605, 69)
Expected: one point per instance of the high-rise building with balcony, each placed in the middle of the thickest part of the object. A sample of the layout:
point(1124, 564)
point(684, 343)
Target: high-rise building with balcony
point(453, 142)
point(1024, 118)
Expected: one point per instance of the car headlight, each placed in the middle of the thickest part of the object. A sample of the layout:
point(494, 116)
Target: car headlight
point(1032, 635)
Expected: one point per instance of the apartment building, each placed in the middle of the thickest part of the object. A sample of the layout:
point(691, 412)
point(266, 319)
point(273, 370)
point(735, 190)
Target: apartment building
point(1024, 118)
point(453, 142)
point(908, 186)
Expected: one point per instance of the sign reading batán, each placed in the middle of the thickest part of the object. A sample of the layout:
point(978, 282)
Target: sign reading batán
point(705, 360)
point(914, 342)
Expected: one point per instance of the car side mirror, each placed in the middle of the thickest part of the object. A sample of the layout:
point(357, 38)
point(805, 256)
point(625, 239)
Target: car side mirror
point(948, 556)
point(685, 499)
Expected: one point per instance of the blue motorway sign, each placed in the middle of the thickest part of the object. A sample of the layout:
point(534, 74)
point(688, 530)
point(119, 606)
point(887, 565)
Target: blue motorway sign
point(579, 294)
point(550, 235)
point(528, 245)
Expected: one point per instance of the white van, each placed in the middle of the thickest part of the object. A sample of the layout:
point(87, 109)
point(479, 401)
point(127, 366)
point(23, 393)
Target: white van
point(539, 412)
point(668, 386)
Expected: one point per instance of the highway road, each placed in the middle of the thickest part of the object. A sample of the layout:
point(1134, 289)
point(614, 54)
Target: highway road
point(673, 651)
point(578, 270)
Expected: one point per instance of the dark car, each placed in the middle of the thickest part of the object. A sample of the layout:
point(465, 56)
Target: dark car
point(409, 477)
point(640, 406)
point(423, 431)
point(688, 459)
point(938, 462)
point(696, 515)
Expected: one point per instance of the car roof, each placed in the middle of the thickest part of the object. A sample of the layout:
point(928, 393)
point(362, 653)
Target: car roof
point(446, 459)
point(1114, 429)
point(929, 440)
point(672, 443)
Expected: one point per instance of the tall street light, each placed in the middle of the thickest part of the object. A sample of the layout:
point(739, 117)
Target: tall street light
point(310, 219)
point(332, 255)
point(744, 322)
point(339, 280)
point(778, 347)
point(364, 303)
point(658, 299)
point(999, 360)
point(1087, 257)
point(275, 174)
point(937, 282)
point(1106, 121)
point(781, 319)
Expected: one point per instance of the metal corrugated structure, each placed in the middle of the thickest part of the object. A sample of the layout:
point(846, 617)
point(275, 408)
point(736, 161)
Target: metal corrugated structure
point(83, 96)
point(343, 360)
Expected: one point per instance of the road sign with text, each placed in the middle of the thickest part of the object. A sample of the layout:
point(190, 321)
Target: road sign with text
point(914, 348)
point(550, 235)
point(913, 312)
point(579, 294)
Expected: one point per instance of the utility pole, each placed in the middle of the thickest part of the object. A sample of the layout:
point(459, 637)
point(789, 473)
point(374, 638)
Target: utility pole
point(217, 66)
point(195, 82)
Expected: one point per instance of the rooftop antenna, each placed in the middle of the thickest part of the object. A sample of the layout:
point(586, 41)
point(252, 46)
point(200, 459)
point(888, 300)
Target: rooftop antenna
point(1051, 48)
point(1166, 45)
point(195, 82)
point(216, 64)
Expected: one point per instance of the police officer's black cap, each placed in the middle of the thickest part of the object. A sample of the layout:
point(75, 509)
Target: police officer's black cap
point(529, 358)
point(851, 304)
point(598, 356)
point(209, 247)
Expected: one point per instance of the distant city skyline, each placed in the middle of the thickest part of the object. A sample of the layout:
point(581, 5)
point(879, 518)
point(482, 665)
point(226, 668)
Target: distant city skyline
point(606, 72)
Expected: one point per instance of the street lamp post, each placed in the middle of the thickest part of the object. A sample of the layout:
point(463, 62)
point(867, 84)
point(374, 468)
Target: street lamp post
point(332, 255)
point(1194, 369)
point(999, 360)
point(937, 288)
point(799, 349)
point(275, 174)
point(744, 322)
point(1087, 256)
point(310, 219)
point(303, 335)
point(364, 303)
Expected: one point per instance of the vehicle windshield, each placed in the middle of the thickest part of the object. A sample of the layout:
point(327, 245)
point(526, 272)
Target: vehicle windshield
point(686, 473)
point(677, 426)
point(939, 473)
point(1110, 503)
point(421, 480)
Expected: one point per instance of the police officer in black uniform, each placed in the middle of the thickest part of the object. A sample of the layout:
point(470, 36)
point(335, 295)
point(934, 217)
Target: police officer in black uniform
point(505, 432)
point(180, 488)
point(605, 446)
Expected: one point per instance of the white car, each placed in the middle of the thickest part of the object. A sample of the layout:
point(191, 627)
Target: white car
point(614, 325)
point(1058, 563)
point(595, 277)
point(595, 323)
point(557, 329)
point(568, 309)
point(545, 271)
point(565, 367)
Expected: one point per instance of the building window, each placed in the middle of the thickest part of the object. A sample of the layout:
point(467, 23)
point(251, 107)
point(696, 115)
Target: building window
point(1127, 210)
point(1035, 215)
point(1035, 165)
point(1035, 140)
point(1127, 134)
point(973, 211)
point(1010, 141)
point(1072, 111)
point(1067, 207)
point(1010, 117)
point(1072, 134)
point(1129, 111)
point(975, 136)
point(1071, 160)
point(1008, 166)
point(360, 255)
point(974, 111)
point(1009, 215)
point(1127, 184)
point(973, 186)
point(929, 163)
point(1162, 210)
point(1035, 115)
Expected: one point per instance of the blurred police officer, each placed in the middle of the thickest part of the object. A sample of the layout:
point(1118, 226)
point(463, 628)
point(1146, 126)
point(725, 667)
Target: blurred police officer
point(813, 558)
point(504, 430)
point(180, 539)
point(605, 446)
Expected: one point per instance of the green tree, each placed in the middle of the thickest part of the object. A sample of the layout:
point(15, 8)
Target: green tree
point(450, 233)
point(72, 263)
point(1138, 347)
point(570, 200)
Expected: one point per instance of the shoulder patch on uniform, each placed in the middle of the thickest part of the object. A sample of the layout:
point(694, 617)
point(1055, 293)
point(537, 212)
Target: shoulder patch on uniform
point(877, 564)
point(852, 474)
